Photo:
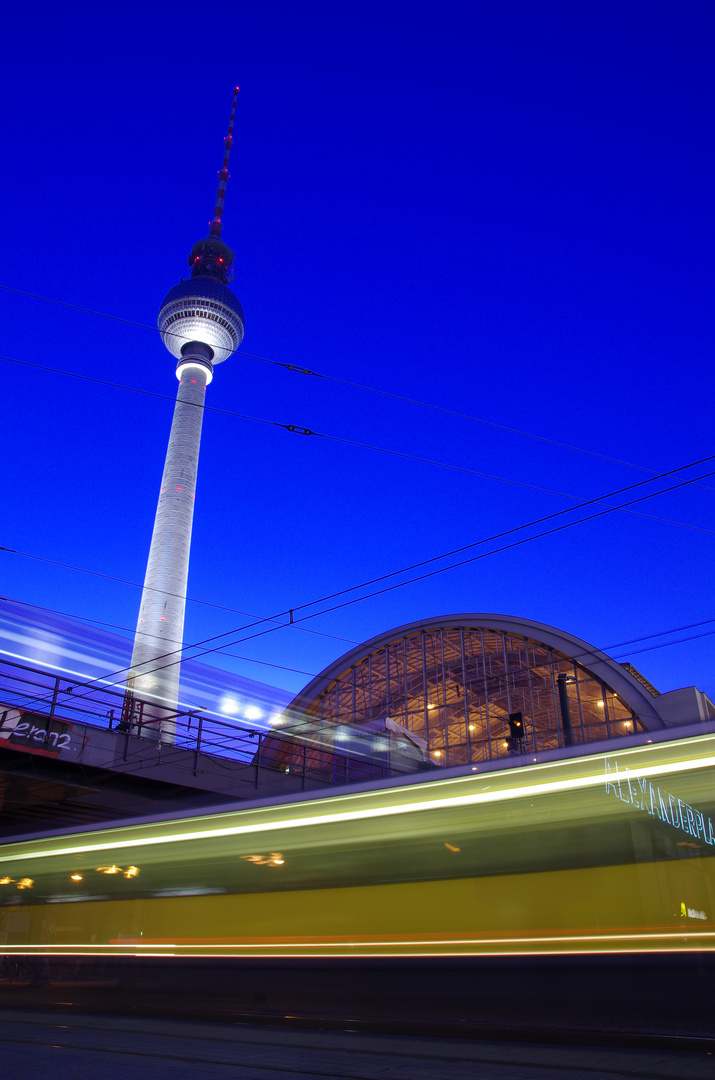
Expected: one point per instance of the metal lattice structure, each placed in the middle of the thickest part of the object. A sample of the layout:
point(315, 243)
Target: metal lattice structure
point(455, 686)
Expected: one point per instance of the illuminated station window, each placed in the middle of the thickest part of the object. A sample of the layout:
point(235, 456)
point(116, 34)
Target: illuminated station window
point(455, 688)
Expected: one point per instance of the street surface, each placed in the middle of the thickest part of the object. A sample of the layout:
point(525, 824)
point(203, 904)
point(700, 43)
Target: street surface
point(84, 1047)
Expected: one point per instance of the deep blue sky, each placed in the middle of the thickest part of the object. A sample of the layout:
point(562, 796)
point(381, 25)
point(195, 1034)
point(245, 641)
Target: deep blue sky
point(503, 209)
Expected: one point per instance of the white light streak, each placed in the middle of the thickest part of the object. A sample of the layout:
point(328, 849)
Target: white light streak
point(587, 943)
point(453, 801)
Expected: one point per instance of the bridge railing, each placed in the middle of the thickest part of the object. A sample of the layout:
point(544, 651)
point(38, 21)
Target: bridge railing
point(36, 705)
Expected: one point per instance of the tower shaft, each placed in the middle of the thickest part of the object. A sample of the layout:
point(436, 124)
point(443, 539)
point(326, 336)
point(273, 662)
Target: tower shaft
point(155, 666)
point(201, 323)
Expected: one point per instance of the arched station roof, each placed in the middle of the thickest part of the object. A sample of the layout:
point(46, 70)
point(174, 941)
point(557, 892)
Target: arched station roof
point(602, 667)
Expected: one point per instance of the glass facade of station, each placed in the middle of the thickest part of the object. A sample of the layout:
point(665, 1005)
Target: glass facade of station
point(455, 688)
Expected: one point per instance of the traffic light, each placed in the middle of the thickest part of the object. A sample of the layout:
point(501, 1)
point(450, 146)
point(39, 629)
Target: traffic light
point(516, 725)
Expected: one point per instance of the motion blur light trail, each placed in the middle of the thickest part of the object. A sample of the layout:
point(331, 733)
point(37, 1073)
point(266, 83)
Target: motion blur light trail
point(505, 791)
point(63, 646)
point(605, 853)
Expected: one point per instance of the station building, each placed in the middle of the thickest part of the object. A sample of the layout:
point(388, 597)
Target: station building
point(447, 687)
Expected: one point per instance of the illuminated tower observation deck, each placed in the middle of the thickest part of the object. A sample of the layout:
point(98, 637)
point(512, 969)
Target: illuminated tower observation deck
point(201, 323)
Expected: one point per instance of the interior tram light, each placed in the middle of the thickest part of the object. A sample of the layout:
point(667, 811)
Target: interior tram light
point(23, 883)
point(600, 704)
point(75, 877)
point(273, 859)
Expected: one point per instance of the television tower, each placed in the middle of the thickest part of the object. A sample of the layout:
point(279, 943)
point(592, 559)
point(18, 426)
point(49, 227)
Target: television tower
point(201, 323)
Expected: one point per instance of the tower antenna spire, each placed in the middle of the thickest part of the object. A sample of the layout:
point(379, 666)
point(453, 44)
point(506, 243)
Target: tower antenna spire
point(216, 223)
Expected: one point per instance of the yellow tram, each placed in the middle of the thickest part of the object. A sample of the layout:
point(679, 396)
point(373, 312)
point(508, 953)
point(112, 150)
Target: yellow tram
point(608, 852)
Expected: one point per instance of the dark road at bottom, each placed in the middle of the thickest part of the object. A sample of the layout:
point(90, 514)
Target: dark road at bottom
point(85, 1047)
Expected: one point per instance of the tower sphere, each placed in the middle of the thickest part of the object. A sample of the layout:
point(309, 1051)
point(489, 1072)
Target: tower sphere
point(203, 310)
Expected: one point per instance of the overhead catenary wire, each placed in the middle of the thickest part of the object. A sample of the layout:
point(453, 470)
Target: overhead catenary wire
point(296, 608)
point(425, 562)
point(129, 630)
point(297, 428)
point(138, 585)
point(453, 566)
point(398, 397)
point(222, 742)
point(295, 368)
point(384, 393)
point(665, 644)
point(578, 657)
point(314, 674)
